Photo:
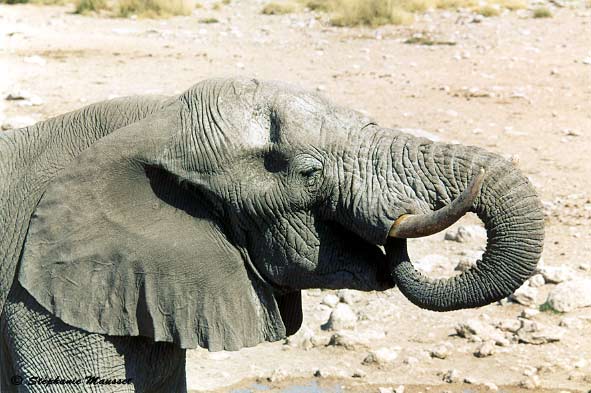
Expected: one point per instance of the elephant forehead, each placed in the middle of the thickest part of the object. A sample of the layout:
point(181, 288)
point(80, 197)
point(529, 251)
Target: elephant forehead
point(264, 112)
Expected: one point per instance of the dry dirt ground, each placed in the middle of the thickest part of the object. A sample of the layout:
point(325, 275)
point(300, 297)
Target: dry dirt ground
point(512, 84)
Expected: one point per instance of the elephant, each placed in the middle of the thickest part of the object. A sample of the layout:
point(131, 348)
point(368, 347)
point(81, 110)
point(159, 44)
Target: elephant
point(136, 228)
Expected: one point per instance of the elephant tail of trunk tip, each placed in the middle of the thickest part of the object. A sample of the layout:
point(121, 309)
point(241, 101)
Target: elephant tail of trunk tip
point(512, 215)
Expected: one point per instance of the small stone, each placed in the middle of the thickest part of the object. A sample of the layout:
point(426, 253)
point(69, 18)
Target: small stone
point(381, 356)
point(466, 233)
point(571, 322)
point(348, 341)
point(529, 313)
point(530, 382)
point(341, 317)
point(440, 352)
point(399, 389)
point(477, 18)
point(476, 331)
point(277, 375)
point(537, 280)
point(330, 300)
point(485, 350)
point(509, 325)
point(529, 371)
point(318, 373)
point(570, 295)
point(587, 60)
point(525, 295)
point(411, 361)
point(359, 374)
point(465, 264)
point(542, 335)
point(471, 381)
point(585, 267)
point(347, 296)
point(385, 390)
point(451, 376)
point(431, 262)
point(557, 274)
point(491, 386)
point(17, 122)
point(528, 326)
point(581, 363)
point(38, 60)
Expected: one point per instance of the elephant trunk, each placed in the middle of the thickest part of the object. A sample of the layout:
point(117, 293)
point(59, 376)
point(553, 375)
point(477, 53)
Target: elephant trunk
point(508, 206)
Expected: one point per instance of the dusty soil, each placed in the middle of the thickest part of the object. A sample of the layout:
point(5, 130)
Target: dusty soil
point(512, 84)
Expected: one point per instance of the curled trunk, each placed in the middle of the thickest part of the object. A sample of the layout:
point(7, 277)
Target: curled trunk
point(512, 215)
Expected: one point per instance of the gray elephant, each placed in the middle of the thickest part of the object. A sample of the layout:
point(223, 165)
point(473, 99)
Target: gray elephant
point(136, 228)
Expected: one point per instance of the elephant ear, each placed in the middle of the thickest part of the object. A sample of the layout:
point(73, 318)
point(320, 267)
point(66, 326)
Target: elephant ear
point(118, 246)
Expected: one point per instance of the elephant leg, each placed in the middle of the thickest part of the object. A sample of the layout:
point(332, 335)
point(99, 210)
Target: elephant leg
point(35, 346)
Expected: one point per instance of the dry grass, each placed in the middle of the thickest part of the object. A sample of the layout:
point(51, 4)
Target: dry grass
point(542, 12)
point(274, 8)
point(488, 11)
point(152, 8)
point(427, 40)
point(208, 20)
point(380, 12)
point(85, 7)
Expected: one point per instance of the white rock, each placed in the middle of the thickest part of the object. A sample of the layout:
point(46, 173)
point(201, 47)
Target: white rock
point(475, 330)
point(348, 341)
point(347, 296)
point(543, 335)
point(491, 386)
point(451, 376)
point(440, 352)
point(557, 274)
point(330, 300)
point(277, 374)
point(537, 280)
point(581, 363)
point(470, 381)
point(411, 361)
point(18, 122)
point(466, 233)
point(571, 322)
point(399, 389)
point(35, 60)
point(341, 317)
point(525, 295)
point(531, 382)
point(465, 264)
point(485, 350)
point(570, 295)
point(431, 262)
point(529, 313)
point(381, 356)
point(385, 390)
point(509, 325)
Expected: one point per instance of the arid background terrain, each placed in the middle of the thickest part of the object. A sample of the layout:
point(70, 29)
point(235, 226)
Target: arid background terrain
point(514, 84)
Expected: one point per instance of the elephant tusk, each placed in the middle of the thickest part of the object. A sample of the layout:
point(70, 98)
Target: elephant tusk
point(419, 225)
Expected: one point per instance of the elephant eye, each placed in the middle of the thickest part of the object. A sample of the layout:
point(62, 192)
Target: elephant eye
point(309, 168)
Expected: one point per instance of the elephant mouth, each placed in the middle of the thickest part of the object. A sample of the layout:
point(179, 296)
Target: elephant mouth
point(420, 225)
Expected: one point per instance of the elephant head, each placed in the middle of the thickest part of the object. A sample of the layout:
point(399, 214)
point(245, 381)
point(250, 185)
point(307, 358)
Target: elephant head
point(201, 223)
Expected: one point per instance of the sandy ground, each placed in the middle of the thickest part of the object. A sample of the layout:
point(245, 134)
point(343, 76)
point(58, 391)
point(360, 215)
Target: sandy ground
point(512, 84)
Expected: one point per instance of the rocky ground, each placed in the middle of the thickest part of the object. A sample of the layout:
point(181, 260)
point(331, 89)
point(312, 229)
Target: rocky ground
point(512, 84)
